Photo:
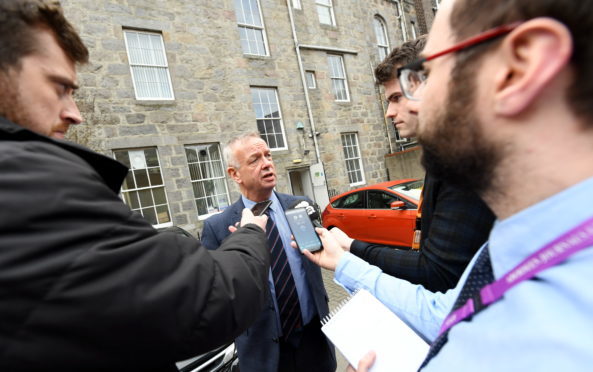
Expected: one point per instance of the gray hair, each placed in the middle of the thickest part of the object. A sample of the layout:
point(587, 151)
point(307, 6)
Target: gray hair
point(228, 150)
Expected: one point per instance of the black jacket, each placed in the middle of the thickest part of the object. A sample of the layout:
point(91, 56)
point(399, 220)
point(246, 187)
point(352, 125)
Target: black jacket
point(88, 285)
point(455, 224)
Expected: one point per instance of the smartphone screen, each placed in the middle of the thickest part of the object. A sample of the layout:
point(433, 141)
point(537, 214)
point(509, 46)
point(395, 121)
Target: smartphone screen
point(303, 230)
point(261, 207)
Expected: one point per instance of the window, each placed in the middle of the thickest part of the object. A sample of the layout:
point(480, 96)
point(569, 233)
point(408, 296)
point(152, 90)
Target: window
point(208, 178)
point(325, 12)
point(352, 157)
point(381, 34)
point(350, 201)
point(269, 117)
point(143, 189)
point(297, 4)
point(311, 82)
point(338, 78)
point(251, 27)
point(380, 200)
point(148, 64)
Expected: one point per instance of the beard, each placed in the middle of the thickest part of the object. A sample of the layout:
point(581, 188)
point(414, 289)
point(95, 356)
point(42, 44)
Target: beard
point(454, 147)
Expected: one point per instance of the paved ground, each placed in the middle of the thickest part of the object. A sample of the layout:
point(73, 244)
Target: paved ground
point(336, 295)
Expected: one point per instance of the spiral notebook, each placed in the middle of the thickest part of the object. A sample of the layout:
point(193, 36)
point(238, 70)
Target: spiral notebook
point(361, 323)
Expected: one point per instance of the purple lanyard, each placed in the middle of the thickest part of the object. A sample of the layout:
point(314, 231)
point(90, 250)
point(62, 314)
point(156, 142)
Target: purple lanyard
point(551, 254)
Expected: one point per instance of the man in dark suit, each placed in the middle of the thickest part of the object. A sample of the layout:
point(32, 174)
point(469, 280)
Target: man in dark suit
point(454, 223)
point(279, 340)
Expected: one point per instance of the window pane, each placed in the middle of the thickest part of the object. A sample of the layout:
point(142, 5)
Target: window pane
point(122, 157)
point(150, 215)
point(159, 196)
point(141, 178)
point(163, 214)
point(145, 198)
point(155, 176)
point(199, 190)
point(151, 158)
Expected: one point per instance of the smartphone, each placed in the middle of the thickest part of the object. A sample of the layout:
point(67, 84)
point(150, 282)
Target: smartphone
point(261, 207)
point(303, 230)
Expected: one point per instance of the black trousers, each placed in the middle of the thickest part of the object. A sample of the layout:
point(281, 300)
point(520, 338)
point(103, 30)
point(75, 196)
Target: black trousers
point(307, 350)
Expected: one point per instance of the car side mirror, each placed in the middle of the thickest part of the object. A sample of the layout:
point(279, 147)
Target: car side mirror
point(398, 205)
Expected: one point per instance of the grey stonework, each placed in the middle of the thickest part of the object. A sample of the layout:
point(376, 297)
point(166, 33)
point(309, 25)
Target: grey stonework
point(211, 79)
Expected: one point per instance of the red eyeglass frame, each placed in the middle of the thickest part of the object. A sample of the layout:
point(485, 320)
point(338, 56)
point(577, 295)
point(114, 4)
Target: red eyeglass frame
point(472, 41)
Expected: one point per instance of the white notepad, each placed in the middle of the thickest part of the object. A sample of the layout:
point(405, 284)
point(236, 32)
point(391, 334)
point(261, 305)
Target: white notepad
point(362, 323)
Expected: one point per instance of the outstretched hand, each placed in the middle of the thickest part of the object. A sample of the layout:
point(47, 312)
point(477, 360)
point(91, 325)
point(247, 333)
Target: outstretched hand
point(331, 253)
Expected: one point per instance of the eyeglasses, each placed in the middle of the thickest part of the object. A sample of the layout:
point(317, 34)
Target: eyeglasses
point(412, 76)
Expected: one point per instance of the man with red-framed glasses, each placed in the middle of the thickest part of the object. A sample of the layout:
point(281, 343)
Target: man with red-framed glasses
point(518, 100)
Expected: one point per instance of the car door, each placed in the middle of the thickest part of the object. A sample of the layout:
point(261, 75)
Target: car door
point(386, 225)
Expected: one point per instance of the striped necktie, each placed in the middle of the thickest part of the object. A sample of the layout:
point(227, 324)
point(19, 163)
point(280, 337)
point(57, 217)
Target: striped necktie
point(286, 294)
point(480, 276)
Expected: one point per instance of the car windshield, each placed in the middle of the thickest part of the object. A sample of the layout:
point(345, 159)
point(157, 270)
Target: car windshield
point(411, 189)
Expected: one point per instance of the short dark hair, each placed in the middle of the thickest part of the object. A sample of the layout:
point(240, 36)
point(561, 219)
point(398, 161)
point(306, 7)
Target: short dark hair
point(19, 22)
point(469, 17)
point(398, 57)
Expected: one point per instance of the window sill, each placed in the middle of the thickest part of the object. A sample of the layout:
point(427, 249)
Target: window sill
point(149, 102)
point(256, 56)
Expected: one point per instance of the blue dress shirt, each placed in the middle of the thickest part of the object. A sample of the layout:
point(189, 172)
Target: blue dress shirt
point(294, 260)
point(543, 324)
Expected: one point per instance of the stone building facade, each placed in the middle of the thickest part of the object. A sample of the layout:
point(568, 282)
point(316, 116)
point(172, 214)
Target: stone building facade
point(170, 82)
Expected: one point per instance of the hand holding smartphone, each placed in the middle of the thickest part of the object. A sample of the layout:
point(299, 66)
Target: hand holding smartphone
point(303, 230)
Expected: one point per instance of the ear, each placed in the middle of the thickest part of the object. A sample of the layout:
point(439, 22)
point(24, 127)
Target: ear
point(533, 55)
point(234, 174)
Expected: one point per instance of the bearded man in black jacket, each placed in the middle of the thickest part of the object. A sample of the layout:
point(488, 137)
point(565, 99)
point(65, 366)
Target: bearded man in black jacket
point(85, 283)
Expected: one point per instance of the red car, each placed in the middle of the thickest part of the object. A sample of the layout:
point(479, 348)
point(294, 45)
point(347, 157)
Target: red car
point(384, 213)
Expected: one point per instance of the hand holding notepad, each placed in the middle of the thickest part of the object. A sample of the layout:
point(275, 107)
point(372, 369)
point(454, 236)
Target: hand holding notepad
point(362, 323)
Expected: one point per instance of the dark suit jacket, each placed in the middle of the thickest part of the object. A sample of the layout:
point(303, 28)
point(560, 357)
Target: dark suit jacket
point(258, 347)
point(455, 224)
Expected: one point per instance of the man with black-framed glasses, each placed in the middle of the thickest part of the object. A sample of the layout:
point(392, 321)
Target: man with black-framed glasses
point(522, 108)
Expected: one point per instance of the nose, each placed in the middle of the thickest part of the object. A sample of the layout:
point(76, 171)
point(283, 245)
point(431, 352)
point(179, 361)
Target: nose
point(391, 112)
point(71, 114)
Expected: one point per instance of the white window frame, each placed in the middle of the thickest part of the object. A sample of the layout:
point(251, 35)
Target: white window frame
point(381, 33)
point(336, 76)
point(296, 4)
point(138, 64)
point(253, 27)
point(137, 163)
point(311, 79)
point(265, 135)
point(352, 158)
point(208, 168)
point(326, 5)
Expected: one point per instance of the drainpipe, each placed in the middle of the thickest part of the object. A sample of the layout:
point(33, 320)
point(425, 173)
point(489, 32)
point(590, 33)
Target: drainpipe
point(303, 80)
